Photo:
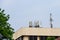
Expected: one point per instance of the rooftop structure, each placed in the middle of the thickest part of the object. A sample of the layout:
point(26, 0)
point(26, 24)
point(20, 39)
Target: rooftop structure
point(36, 33)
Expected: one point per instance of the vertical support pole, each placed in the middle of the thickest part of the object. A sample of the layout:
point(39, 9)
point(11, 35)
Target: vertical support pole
point(38, 38)
point(51, 25)
point(26, 38)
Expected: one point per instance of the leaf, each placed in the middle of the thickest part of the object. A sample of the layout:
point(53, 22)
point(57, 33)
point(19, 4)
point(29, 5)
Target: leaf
point(5, 28)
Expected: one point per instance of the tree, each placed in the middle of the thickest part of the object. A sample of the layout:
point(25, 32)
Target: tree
point(5, 28)
point(50, 38)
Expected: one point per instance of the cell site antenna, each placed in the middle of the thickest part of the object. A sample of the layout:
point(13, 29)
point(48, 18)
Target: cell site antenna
point(51, 25)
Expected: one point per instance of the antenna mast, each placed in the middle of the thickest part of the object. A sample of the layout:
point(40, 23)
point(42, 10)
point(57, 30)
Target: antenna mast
point(51, 25)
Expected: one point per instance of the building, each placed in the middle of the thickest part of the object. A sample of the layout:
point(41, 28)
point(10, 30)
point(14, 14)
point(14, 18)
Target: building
point(36, 33)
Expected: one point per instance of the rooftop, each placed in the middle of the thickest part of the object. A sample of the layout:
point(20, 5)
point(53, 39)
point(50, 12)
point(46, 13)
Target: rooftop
point(37, 32)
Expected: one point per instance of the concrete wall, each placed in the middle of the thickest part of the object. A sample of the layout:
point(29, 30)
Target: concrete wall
point(37, 32)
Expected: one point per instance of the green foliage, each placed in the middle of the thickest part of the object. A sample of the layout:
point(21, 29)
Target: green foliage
point(50, 38)
point(5, 28)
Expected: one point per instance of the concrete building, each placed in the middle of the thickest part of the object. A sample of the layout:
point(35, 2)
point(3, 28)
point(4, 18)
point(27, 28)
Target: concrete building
point(36, 33)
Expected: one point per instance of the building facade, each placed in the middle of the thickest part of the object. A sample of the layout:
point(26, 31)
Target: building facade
point(36, 33)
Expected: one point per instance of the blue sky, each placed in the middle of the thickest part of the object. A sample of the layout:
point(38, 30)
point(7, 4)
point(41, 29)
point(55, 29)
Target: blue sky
point(23, 11)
